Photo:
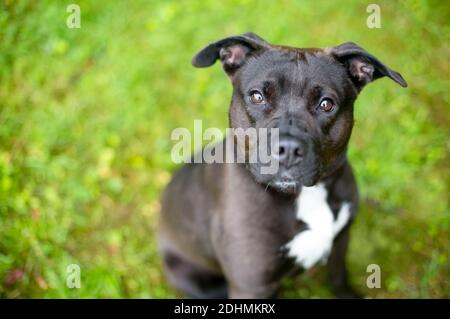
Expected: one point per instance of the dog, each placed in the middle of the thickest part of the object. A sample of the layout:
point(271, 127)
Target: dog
point(227, 230)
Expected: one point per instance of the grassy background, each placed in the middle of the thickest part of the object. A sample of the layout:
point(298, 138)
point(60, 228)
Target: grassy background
point(86, 116)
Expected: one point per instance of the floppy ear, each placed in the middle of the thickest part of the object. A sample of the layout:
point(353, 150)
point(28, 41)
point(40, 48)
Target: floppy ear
point(232, 51)
point(362, 66)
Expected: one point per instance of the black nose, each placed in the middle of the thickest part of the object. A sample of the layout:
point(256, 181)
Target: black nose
point(289, 151)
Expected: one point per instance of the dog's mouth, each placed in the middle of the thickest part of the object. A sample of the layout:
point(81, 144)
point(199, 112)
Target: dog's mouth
point(290, 185)
point(289, 178)
point(286, 186)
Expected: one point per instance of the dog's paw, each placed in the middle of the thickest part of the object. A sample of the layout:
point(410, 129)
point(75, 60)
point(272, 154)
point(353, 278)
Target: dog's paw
point(308, 248)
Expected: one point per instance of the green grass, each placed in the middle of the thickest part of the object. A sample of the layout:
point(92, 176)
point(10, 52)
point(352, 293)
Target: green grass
point(86, 116)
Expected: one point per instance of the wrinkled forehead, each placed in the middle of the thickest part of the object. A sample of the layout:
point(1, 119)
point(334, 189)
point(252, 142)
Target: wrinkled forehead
point(292, 68)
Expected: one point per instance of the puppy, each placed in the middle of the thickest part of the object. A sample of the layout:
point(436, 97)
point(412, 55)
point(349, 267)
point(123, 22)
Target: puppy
point(227, 229)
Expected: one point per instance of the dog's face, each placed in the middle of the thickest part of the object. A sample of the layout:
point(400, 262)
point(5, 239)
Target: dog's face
point(308, 94)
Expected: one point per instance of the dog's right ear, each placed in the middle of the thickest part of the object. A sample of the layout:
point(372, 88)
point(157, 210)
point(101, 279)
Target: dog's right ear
point(232, 51)
point(362, 66)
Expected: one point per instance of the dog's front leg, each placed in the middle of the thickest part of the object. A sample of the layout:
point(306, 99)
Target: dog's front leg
point(337, 267)
point(250, 273)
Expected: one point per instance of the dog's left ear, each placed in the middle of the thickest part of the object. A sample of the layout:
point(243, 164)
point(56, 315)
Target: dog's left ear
point(232, 52)
point(362, 66)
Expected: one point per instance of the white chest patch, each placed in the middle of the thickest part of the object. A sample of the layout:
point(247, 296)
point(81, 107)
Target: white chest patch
point(314, 244)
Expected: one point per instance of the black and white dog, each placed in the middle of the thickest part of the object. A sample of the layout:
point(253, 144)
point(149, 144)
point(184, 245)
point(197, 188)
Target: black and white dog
point(226, 230)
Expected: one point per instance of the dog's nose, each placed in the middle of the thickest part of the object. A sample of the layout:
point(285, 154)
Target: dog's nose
point(289, 151)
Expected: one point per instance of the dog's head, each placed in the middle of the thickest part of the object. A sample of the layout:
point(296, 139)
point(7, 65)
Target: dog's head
point(308, 94)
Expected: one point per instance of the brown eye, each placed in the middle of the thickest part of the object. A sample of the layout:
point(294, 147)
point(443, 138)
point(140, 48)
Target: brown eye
point(256, 97)
point(326, 105)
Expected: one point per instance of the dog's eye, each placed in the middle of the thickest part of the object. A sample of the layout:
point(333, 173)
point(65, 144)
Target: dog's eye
point(256, 97)
point(326, 105)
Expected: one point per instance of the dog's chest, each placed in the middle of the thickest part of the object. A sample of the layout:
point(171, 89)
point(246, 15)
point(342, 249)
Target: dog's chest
point(314, 244)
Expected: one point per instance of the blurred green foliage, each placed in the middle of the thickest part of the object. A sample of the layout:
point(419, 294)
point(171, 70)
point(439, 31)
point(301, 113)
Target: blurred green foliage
point(86, 116)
